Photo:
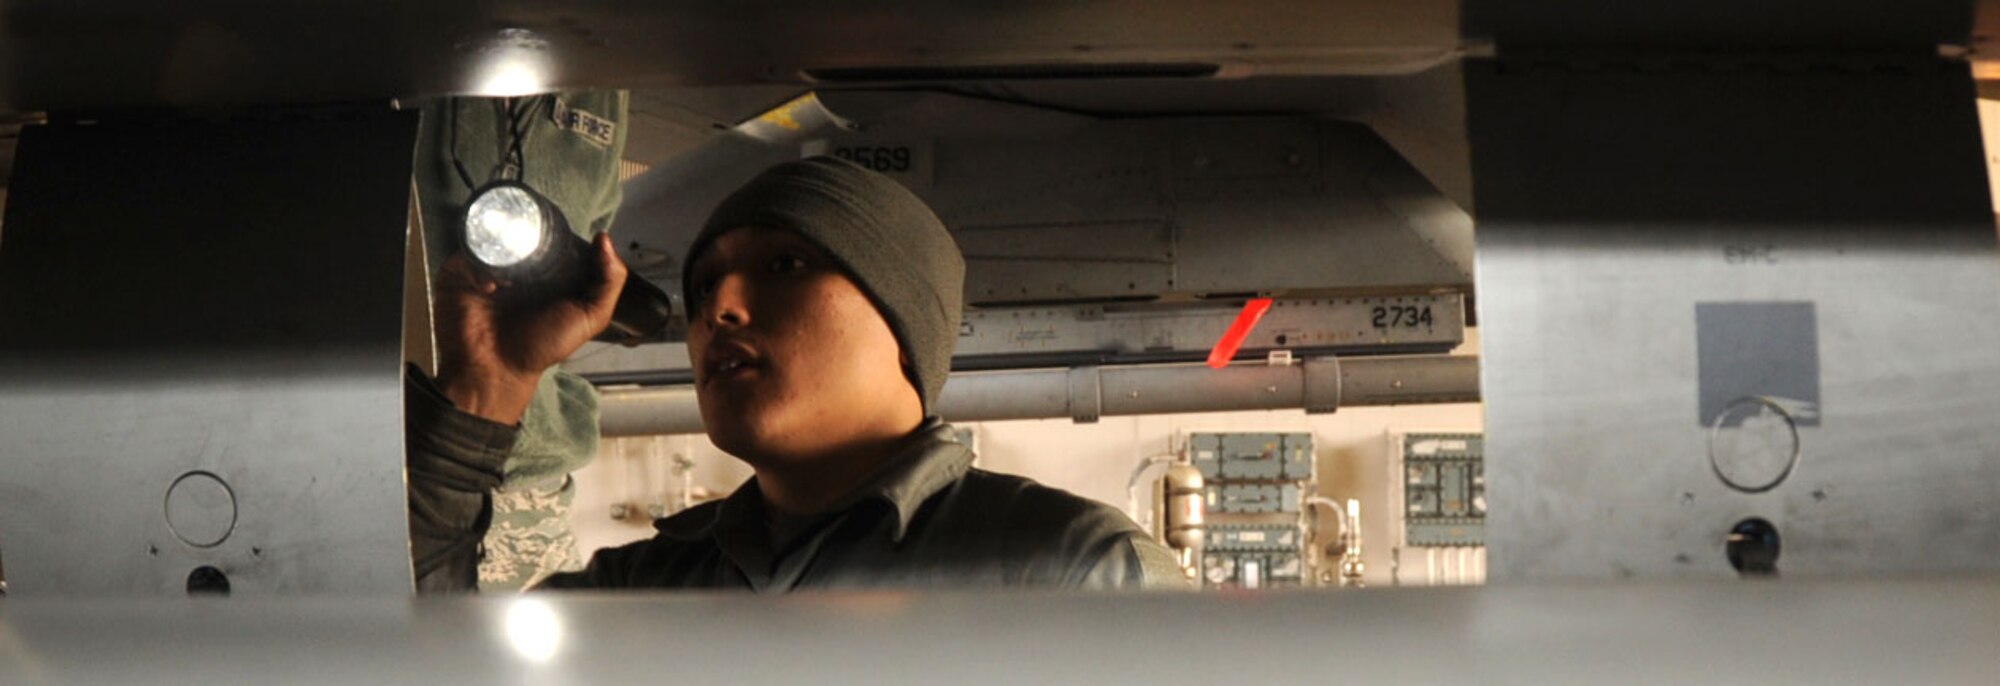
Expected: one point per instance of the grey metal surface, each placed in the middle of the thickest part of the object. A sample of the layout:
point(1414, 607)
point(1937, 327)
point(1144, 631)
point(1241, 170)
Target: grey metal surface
point(678, 194)
point(1933, 632)
point(1412, 380)
point(1234, 206)
point(1615, 202)
point(664, 122)
point(1757, 349)
point(1129, 333)
point(1120, 391)
point(1422, 115)
point(135, 53)
point(200, 336)
point(1110, 332)
point(1050, 206)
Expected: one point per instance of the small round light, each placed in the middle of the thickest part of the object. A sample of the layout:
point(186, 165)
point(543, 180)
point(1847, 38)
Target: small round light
point(504, 226)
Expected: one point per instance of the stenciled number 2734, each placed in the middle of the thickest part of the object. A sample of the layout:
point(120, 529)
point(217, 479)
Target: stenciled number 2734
point(1402, 317)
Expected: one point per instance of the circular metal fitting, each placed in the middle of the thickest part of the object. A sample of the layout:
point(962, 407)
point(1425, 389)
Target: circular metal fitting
point(201, 509)
point(1753, 444)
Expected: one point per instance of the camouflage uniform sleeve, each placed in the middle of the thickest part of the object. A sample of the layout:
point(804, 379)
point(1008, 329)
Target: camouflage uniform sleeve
point(530, 537)
point(454, 463)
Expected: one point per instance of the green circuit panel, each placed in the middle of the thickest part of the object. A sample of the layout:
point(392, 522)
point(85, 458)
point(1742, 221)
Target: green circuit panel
point(1253, 456)
point(1255, 492)
point(1444, 489)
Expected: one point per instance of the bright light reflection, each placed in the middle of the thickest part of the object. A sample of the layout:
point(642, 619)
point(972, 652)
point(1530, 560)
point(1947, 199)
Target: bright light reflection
point(534, 629)
point(511, 77)
point(503, 226)
point(512, 63)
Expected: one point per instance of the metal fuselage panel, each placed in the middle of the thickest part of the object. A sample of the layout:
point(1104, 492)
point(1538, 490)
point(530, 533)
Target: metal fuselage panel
point(1655, 245)
point(200, 341)
point(125, 53)
point(1054, 207)
point(1063, 218)
point(1936, 631)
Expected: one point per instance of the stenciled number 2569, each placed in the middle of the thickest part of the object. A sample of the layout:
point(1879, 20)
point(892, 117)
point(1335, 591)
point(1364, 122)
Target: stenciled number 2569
point(881, 159)
point(1402, 317)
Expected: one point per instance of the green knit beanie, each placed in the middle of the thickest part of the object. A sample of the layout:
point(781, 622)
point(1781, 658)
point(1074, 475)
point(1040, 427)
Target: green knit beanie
point(887, 240)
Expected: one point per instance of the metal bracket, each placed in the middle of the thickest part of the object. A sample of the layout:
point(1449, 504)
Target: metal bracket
point(1322, 385)
point(1086, 395)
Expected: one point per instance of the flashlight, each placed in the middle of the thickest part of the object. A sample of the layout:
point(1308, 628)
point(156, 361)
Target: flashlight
point(515, 233)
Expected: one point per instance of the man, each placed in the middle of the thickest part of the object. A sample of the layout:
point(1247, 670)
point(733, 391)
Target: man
point(575, 141)
point(824, 300)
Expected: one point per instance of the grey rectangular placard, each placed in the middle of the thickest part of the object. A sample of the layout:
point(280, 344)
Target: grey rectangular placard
point(1758, 349)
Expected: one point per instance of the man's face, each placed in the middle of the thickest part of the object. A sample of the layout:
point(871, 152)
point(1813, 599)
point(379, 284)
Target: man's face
point(791, 359)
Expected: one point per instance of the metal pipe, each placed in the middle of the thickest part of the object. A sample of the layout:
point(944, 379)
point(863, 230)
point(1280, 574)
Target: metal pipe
point(1318, 385)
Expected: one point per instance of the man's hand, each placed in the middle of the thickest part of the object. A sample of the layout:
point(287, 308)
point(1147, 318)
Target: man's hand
point(492, 351)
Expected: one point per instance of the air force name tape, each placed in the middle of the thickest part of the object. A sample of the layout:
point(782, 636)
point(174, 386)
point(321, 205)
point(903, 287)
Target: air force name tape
point(594, 128)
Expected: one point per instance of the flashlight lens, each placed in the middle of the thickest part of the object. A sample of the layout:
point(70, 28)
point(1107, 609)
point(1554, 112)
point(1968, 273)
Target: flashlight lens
point(503, 226)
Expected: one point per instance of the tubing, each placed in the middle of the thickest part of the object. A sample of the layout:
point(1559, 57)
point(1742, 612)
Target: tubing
point(1318, 385)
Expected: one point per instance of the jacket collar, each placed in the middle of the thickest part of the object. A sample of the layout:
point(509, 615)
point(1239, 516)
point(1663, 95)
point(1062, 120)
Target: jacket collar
point(930, 461)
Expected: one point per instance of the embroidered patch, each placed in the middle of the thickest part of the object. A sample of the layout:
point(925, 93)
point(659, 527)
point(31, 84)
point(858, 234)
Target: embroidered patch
point(593, 128)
